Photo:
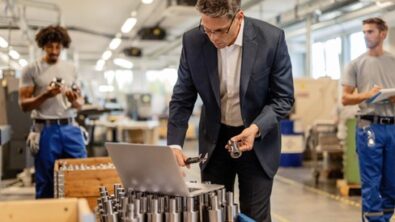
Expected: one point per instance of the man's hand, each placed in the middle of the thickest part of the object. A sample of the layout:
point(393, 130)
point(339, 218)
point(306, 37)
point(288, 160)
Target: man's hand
point(53, 91)
point(180, 157)
point(392, 99)
point(245, 139)
point(71, 95)
point(373, 91)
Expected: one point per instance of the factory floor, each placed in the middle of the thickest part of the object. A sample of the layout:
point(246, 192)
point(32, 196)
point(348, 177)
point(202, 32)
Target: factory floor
point(294, 199)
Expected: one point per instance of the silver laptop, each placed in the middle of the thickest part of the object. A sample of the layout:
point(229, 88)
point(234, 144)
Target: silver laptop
point(152, 168)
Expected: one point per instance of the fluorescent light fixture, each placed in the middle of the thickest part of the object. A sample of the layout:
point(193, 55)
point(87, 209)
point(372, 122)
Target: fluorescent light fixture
point(147, 1)
point(14, 54)
point(115, 42)
point(3, 43)
point(129, 24)
point(123, 63)
point(22, 62)
point(106, 55)
point(100, 65)
point(384, 3)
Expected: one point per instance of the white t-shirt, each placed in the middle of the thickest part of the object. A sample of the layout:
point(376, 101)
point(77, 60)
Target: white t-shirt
point(39, 74)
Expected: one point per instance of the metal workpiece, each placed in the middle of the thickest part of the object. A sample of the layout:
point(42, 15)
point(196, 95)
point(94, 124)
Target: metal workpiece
point(110, 215)
point(125, 207)
point(130, 214)
point(190, 214)
point(153, 215)
point(162, 205)
point(234, 150)
point(231, 209)
point(137, 211)
point(215, 214)
point(144, 205)
point(221, 197)
point(172, 215)
point(75, 167)
point(136, 206)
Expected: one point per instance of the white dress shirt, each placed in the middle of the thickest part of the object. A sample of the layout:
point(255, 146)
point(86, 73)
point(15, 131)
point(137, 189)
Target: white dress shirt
point(229, 68)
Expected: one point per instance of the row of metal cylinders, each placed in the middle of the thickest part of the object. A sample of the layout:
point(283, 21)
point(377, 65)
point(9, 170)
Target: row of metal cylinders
point(135, 206)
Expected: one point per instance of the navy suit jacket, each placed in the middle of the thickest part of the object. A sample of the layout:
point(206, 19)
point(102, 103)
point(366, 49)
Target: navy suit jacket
point(266, 90)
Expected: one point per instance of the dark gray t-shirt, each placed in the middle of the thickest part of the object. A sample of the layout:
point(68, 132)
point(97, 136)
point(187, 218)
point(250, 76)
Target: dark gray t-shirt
point(366, 71)
point(39, 74)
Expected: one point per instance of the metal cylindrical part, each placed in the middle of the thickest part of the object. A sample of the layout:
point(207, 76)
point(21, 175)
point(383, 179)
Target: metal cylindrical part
point(231, 209)
point(172, 215)
point(234, 149)
point(190, 215)
point(154, 215)
point(215, 213)
point(137, 210)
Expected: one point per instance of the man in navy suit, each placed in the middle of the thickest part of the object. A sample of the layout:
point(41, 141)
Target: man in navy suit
point(241, 69)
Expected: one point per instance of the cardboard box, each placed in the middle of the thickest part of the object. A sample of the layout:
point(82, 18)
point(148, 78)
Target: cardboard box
point(59, 210)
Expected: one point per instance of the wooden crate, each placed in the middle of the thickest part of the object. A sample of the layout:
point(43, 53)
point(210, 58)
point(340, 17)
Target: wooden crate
point(59, 210)
point(347, 189)
point(84, 183)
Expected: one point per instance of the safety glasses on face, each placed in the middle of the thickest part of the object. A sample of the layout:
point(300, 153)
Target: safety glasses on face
point(218, 32)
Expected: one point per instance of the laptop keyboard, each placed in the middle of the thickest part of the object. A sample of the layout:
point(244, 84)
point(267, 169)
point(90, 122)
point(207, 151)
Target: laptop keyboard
point(193, 189)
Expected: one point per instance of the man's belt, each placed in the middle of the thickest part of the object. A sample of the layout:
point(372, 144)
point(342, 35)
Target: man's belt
point(378, 119)
point(64, 121)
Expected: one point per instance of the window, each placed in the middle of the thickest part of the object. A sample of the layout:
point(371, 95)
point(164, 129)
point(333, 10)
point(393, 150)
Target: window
point(326, 59)
point(357, 45)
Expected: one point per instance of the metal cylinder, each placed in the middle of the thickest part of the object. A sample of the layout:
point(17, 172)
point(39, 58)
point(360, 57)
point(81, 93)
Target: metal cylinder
point(234, 149)
point(214, 213)
point(190, 215)
point(172, 215)
point(231, 210)
point(154, 215)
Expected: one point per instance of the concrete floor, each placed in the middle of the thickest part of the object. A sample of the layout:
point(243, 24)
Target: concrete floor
point(292, 201)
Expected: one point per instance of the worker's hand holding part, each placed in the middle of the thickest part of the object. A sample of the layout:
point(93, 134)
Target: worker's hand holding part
point(244, 141)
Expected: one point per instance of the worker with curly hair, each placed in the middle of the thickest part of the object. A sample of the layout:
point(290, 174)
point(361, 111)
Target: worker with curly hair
point(49, 90)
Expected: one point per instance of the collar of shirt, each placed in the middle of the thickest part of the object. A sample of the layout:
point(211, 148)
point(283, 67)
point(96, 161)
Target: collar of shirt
point(239, 39)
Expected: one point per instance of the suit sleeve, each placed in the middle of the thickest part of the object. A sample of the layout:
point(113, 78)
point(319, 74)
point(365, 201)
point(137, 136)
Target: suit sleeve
point(181, 103)
point(281, 98)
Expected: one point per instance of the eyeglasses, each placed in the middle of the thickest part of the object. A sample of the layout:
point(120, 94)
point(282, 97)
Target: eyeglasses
point(217, 32)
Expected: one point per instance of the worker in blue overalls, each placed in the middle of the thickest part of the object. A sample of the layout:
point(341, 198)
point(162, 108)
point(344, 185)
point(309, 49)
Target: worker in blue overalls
point(49, 89)
point(375, 136)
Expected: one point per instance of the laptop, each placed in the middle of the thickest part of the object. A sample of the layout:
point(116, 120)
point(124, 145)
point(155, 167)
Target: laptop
point(153, 168)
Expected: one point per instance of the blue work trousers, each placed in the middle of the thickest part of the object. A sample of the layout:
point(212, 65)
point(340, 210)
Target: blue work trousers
point(56, 142)
point(376, 153)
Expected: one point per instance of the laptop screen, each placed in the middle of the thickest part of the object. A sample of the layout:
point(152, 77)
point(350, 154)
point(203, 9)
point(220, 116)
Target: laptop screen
point(148, 168)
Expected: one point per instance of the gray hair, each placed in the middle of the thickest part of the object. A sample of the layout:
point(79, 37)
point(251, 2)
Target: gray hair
point(218, 8)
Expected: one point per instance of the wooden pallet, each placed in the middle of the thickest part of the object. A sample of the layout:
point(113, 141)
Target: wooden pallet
point(347, 189)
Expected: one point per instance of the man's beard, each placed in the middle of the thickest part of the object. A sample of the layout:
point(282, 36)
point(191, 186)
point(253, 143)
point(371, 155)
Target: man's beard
point(52, 59)
point(371, 44)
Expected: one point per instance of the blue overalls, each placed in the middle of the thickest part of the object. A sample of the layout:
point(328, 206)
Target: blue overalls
point(376, 152)
point(56, 141)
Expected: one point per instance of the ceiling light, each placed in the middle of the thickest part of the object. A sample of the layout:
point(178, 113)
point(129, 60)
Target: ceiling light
point(128, 25)
point(100, 65)
point(23, 62)
point(123, 63)
point(14, 54)
point(147, 1)
point(3, 43)
point(115, 42)
point(384, 3)
point(106, 55)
